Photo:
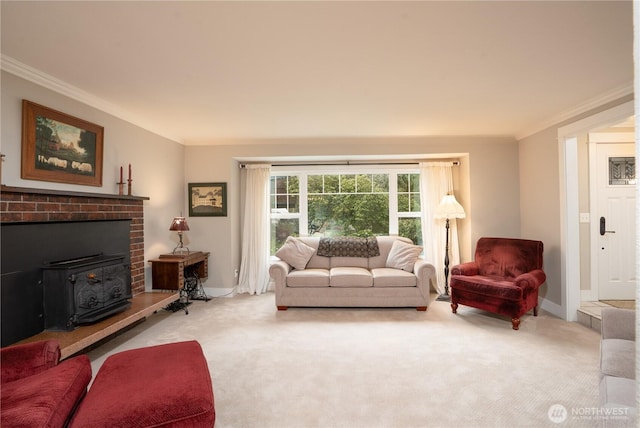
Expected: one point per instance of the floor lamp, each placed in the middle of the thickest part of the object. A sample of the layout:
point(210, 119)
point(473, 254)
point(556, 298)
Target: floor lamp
point(449, 208)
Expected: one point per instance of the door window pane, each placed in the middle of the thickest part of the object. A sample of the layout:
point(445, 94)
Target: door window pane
point(622, 171)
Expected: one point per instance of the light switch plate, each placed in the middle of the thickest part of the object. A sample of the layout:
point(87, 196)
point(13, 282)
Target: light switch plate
point(585, 218)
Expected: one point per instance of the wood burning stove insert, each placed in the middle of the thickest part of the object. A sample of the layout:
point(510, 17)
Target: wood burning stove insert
point(85, 290)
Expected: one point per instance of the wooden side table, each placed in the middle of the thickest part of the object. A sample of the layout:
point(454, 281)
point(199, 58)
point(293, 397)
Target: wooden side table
point(168, 270)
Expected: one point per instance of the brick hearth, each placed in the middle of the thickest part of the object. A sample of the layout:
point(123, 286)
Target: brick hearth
point(37, 205)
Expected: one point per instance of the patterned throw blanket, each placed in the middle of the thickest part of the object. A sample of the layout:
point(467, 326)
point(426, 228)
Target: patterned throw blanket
point(348, 246)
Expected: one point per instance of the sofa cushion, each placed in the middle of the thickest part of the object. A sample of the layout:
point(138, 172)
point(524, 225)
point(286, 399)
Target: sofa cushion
point(46, 399)
point(295, 252)
point(316, 261)
point(487, 286)
point(350, 277)
point(360, 262)
point(403, 256)
point(617, 358)
point(308, 278)
point(617, 391)
point(389, 277)
point(384, 245)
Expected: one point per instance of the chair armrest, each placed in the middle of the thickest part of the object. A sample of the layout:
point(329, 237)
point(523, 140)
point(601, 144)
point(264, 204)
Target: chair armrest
point(533, 279)
point(466, 269)
point(20, 361)
point(618, 324)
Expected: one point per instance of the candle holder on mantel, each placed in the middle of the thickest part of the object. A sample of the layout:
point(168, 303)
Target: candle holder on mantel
point(121, 187)
point(129, 181)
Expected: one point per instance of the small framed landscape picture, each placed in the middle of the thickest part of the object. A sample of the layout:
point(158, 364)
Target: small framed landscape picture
point(61, 148)
point(207, 199)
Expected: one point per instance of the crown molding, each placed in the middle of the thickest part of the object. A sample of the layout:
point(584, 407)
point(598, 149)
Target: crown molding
point(17, 68)
point(614, 94)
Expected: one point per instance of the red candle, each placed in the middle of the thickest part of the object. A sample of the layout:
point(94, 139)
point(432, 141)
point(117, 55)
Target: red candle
point(129, 172)
point(121, 175)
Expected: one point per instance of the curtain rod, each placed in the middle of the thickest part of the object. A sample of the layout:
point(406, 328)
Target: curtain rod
point(347, 163)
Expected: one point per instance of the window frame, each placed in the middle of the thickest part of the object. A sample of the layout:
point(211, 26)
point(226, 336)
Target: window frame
point(302, 172)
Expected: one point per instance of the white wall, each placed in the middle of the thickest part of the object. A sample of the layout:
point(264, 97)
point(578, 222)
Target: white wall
point(540, 198)
point(157, 163)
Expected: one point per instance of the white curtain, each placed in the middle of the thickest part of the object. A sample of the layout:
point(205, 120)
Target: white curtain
point(254, 264)
point(436, 180)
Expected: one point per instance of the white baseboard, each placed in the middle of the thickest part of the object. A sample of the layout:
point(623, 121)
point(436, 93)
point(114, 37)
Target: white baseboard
point(552, 308)
point(220, 292)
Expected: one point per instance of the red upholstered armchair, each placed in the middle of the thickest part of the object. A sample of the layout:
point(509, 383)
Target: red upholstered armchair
point(36, 389)
point(503, 278)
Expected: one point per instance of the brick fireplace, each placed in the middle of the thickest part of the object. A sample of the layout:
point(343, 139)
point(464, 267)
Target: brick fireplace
point(19, 205)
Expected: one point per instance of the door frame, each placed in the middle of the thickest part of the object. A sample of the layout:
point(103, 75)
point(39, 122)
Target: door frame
point(593, 294)
point(569, 208)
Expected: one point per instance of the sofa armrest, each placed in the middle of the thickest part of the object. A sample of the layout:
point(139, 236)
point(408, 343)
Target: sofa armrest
point(618, 324)
point(20, 361)
point(466, 269)
point(533, 279)
point(278, 271)
point(424, 271)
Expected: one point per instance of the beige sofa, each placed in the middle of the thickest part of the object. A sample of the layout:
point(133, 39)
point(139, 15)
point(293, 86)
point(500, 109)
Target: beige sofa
point(617, 368)
point(397, 277)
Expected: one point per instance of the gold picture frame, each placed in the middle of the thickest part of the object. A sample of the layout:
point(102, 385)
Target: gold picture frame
point(60, 148)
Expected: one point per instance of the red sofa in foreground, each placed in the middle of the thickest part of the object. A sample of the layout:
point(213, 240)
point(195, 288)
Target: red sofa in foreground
point(166, 385)
point(37, 390)
point(503, 278)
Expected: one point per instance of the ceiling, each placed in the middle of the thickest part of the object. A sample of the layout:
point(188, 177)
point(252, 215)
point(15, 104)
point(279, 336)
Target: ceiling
point(212, 72)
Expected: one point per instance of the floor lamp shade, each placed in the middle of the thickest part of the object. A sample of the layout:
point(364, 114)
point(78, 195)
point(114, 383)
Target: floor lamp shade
point(449, 208)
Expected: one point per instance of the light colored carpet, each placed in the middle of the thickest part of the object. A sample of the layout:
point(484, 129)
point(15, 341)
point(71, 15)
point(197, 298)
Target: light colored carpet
point(380, 367)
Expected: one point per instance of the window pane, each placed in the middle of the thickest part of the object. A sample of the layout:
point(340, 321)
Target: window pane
point(622, 171)
point(403, 183)
point(414, 182)
point(294, 204)
point(380, 183)
point(281, 185)
point(415, 203)
point(314, 184)
point(364, 183)
point(348, 183)
point(403, 203)
point(331, 184)
point(281, 229)
point(411, 228)
point(281, 201)
point(348, 215)
point(294, 184)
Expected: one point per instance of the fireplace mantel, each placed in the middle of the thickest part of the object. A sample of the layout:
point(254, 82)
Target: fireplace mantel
point(32, 191)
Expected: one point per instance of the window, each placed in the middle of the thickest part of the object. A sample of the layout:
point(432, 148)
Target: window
point(338, 203)
point(409, 212)
point(285, 209)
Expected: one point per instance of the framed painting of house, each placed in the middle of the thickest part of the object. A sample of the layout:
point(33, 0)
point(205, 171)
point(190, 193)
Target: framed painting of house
point(207, 199)
point(59, 147)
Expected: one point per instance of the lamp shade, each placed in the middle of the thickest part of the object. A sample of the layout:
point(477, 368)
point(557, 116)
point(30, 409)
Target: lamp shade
point(449, 208)
point(179, 224)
